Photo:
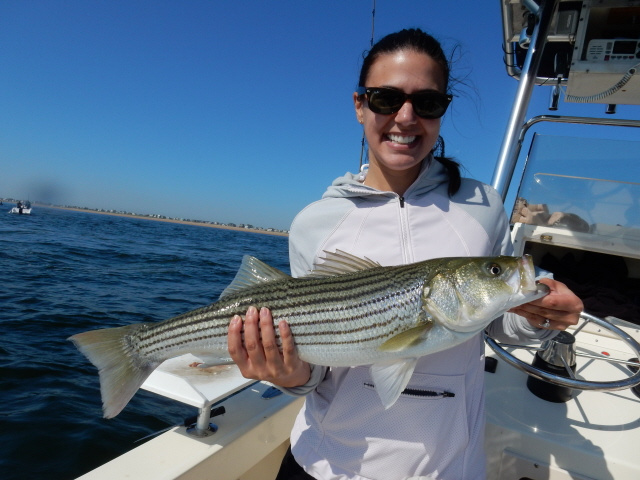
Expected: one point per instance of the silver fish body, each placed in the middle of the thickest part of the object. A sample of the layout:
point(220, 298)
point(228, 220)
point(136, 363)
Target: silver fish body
point(349, 312)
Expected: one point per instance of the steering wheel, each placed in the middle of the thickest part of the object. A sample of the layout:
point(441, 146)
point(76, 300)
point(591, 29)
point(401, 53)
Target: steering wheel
point(571, 381)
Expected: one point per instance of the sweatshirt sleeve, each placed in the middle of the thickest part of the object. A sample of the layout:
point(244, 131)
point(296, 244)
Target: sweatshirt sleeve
point(317, 375)
point(514, 329)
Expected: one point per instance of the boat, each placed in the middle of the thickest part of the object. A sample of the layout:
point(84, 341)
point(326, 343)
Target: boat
point(22, 208)
point(566, 409)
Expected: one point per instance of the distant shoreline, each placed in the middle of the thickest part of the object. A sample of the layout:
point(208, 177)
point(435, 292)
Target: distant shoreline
point(170, 220)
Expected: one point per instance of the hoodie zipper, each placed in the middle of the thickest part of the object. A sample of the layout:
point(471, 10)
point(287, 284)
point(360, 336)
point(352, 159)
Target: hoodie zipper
point(404, 230)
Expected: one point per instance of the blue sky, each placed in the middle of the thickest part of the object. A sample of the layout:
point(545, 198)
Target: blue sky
point(217, 110)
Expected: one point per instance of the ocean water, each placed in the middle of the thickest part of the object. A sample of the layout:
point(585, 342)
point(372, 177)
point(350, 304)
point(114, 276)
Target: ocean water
point(64, 272)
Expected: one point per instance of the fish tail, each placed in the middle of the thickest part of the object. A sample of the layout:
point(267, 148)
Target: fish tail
point(122, 371)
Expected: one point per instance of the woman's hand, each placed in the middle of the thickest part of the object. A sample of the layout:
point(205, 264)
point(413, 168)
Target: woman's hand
point(555, 311)
point(259, 356)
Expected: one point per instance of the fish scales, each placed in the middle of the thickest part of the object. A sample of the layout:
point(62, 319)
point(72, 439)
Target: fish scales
point(371, 300)
point(295, 298)
point(350, 312)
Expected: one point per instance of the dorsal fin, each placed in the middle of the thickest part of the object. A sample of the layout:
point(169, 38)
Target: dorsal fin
point(252, 272)
point(339, 262)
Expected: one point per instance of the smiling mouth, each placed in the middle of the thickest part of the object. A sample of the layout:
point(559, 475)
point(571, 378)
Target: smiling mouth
point(401, 139)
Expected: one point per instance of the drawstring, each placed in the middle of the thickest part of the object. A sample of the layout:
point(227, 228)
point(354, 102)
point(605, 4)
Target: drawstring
point(364, 169)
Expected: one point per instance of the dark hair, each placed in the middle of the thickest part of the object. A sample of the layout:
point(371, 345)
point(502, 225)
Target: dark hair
point(407, 39)
point(421, 42)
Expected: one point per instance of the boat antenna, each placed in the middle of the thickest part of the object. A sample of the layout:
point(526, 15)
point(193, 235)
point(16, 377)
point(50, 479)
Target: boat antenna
point(373, 25)
point(373, 22)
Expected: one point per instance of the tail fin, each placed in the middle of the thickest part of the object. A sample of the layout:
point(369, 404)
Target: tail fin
point(121, 370)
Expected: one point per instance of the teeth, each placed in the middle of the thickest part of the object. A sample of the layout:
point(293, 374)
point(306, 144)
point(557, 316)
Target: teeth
point(401, 138)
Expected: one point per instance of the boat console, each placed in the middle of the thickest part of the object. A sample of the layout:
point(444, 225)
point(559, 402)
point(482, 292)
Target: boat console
point(584, 226)
point(582, 223)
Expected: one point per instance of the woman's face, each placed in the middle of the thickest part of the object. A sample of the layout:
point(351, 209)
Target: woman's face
point(400, 141)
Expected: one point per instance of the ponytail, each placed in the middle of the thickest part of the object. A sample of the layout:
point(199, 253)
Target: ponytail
point(450, 165)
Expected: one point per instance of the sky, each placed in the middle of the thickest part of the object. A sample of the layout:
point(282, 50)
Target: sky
point(231, 111)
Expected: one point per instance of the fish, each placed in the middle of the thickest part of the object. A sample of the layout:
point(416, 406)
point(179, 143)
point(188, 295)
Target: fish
point(348, 311)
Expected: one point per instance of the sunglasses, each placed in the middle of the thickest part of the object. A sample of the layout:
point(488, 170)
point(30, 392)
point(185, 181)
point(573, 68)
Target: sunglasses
point(429, 104)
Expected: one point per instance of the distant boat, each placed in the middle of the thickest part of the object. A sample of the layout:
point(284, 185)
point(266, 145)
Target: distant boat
point(22, 208)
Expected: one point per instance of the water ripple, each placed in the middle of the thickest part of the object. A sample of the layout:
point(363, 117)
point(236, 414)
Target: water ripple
point(65, 272)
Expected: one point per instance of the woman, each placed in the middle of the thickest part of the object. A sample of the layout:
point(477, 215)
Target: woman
point(408, 206)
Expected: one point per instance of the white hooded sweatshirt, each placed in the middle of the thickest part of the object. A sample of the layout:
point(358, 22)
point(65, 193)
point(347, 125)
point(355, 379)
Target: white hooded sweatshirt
point(436, 431)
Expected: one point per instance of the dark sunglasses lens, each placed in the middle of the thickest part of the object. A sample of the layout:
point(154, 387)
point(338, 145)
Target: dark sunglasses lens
point(426, 105)
point(385, 101)
point(430, 105)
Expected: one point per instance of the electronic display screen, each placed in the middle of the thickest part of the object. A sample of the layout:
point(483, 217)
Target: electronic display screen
point(625, 47)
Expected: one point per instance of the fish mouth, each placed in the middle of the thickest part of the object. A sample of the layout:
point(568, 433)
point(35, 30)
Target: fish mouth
point(524, 279)
point(542, 290)
point(527, 277)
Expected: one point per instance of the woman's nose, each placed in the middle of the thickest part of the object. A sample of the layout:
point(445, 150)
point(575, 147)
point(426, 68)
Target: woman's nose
point(406, 113)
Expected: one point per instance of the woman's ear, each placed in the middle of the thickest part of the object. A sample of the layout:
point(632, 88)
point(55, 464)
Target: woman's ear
point(358, 105)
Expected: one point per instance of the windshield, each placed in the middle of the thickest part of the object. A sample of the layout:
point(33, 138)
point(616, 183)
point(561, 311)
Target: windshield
point(582, 184)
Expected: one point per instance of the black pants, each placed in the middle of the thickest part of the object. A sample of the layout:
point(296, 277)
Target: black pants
point(290, 470)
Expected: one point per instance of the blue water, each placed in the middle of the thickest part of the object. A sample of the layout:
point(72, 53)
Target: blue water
point(64, 272)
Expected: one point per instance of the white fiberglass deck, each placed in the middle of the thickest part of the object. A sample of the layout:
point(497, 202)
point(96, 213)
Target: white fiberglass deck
point(593, 436)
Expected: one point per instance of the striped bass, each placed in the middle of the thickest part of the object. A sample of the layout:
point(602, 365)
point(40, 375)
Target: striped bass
point(349, 311)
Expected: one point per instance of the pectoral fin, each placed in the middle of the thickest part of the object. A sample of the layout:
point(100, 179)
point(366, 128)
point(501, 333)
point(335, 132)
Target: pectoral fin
point(390, 379)
point(408, 338)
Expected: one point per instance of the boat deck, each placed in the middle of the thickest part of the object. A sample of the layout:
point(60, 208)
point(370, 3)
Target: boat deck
point(528, 437)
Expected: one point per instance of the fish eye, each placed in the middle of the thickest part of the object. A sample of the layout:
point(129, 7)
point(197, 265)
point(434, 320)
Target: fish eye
point(495, 269)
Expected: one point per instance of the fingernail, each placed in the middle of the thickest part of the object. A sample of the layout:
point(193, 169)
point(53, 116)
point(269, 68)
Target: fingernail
point(235, 320)
point(252, 310)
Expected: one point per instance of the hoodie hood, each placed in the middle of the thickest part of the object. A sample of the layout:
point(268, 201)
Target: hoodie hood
point(432, 175)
